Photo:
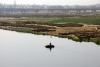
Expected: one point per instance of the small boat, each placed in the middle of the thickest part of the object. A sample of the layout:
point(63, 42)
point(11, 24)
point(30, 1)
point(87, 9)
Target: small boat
point(49, 46)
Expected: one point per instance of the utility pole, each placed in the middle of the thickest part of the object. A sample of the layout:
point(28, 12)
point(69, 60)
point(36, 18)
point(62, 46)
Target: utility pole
point(14, 3)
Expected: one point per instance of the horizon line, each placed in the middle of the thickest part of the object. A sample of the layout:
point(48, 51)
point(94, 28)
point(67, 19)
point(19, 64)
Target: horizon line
point(48, 4)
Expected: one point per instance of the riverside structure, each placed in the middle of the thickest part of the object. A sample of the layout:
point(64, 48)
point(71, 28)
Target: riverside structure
point(47, 10)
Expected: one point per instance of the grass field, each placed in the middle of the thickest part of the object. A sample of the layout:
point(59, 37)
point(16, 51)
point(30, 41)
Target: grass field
point(61, 20)
point(77, 20)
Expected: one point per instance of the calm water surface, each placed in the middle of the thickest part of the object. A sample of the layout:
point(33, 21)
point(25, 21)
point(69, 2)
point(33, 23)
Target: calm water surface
point(27, 50)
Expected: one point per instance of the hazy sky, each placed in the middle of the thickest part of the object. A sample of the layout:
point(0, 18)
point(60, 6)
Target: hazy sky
point(53, 2)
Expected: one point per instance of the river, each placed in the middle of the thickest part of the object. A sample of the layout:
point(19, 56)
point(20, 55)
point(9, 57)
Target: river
point(28, 50)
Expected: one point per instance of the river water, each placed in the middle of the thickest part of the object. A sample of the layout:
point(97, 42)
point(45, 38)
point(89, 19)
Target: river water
point(28, 50)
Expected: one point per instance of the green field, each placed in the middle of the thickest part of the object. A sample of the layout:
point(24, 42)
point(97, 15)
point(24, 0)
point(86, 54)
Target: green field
point(77, 20)
point(61, 20)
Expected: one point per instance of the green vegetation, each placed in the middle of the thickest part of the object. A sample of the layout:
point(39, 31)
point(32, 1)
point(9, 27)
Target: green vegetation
point(96, 40)
point(61, 20)
point(27, 24)
point(77, 20)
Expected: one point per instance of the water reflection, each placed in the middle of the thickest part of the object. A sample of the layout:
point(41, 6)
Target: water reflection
point(50, 46)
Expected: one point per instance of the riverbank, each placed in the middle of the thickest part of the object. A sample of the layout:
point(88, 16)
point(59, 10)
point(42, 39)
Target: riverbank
point(88, 32)
point(78, 27)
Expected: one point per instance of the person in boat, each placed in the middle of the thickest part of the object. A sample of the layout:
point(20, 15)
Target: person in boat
point(50, 43)
point(49, 46)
